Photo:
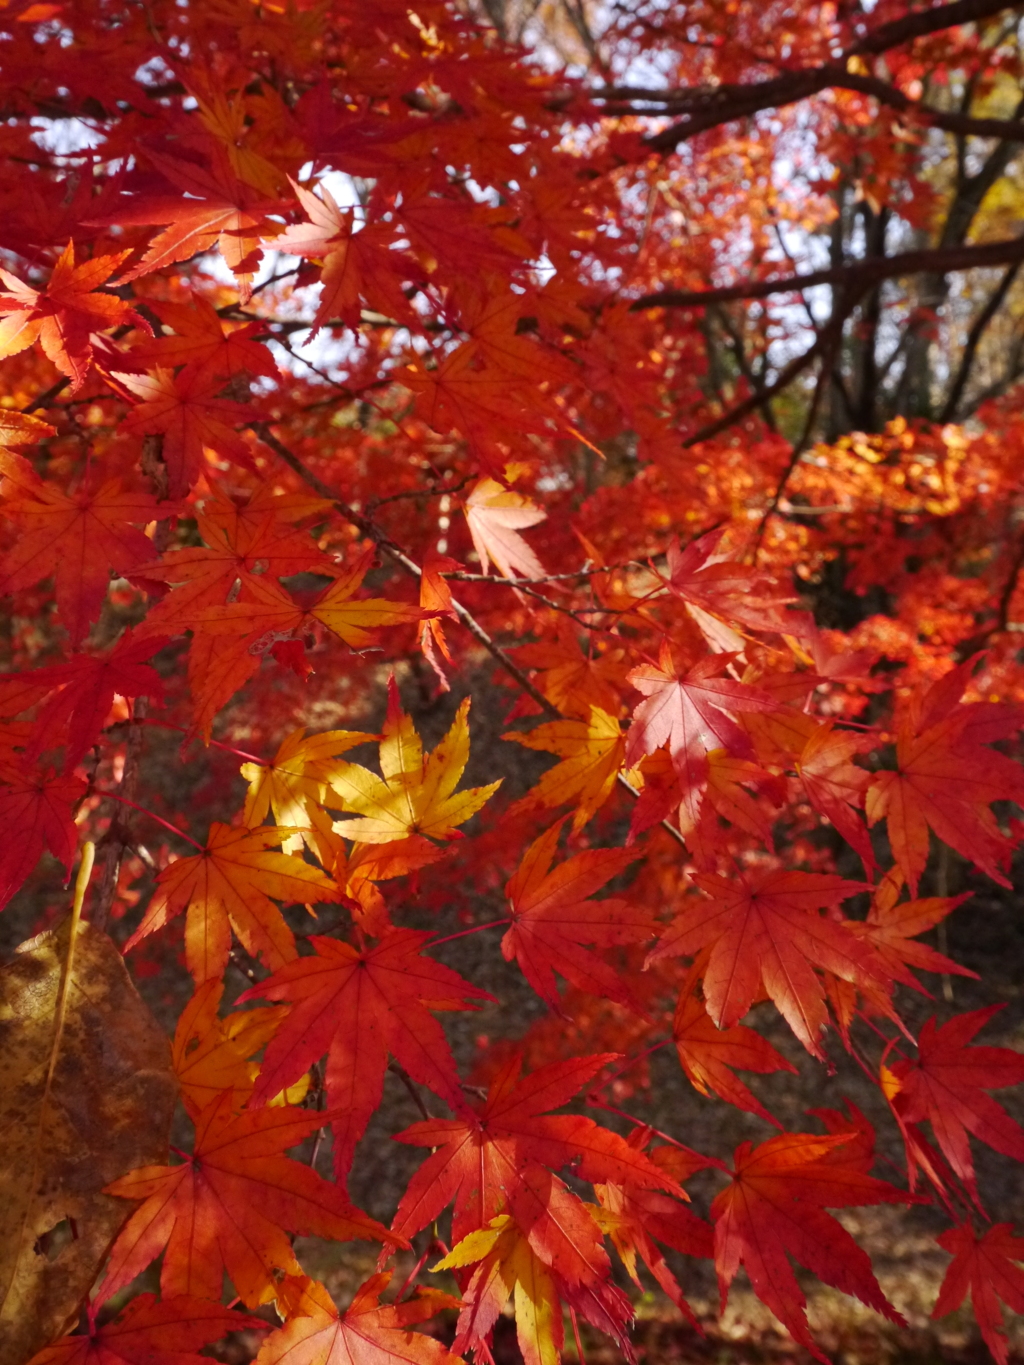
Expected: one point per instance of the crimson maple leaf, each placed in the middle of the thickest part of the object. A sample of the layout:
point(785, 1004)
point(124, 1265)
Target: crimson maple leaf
point(946, 778)
point(359, 1006)
point(692, 715)
point(227, 1208)
point(82, 691)
point(200, 342)
point(150, 1332)
point(775, 1208)
point(946, 1085)
point(763, 928)
point(63, 316)
point(36, 811)
point(80, 538)
point(553, 917)
point(480, 1154)
point(986, 1266)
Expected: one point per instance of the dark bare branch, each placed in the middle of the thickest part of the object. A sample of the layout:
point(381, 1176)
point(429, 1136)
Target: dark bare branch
point(859, 276)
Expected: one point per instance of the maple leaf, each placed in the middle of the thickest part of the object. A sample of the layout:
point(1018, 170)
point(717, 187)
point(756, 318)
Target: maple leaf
point(835, 787)
point(201, 343)
point(294, 783)
point(986, 1267)
point(692, 715)
point(506, 1265)
point(495, 515)
point(148, 1332)
point(480, 1154)
point(63, 316)
point(763, 929)
point(227, 1208)
point(416, 794)
point(549, 1248)
point(369, 1331)
point(436, 598)
point(359, 1006)
point(358, 263)
point(219, 210)
point(82, 691)
point(946, 1085)
point(709, 1053)
point(36, 810)
point(79, 538)
point(553, 917)
point(237, 550)
point(211, 1055)
point(718, 590)
point(228, 885)
point(592, 753)
point(572, 681)
point(890, 928)
point(185, 410)
point(626, 1218)
point(946, 777)
point(775, 1208)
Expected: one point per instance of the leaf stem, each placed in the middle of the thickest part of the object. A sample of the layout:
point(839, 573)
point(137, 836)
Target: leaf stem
point(450, 938)
point(143, 810)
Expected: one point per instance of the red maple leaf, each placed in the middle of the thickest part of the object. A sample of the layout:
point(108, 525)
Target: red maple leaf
point(692, 714)
point(359, 1006)
point(480, 1154)
point(986, 1266)
point(946, 1085)
point(775, 1208)
point(553, 918)
point(150, 1332)
point(709, 1053)
point(763, 929)
point(36, 812)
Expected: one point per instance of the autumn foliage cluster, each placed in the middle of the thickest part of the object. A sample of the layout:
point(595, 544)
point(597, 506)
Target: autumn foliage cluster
point(355, 354)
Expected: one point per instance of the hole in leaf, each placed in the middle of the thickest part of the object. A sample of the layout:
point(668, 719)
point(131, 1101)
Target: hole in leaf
point(50, 1244)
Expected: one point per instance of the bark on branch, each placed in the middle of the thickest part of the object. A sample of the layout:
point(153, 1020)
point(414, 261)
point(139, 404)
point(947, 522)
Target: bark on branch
point(856, 277)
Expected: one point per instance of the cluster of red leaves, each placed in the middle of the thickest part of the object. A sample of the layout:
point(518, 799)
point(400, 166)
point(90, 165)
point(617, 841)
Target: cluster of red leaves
point(213, 533)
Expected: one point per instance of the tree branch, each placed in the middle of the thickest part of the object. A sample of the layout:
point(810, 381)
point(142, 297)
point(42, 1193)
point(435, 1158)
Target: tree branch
point(860, 275)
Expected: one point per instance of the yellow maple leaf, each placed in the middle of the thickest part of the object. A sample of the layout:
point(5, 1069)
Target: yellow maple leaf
point(416, 794)
point(294, 783)
point(592, 753)
point(228, 885)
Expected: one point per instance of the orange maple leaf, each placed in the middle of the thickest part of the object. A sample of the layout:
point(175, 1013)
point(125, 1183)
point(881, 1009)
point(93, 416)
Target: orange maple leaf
point(368, 1331)
point(592, 753)
point(185, 410)
point(200, 342)
point(359, 1006)
point(63, 317)
point(709, 1053)
point(480, 1154)
point(359, 263)
point(227, 1208)
point(228, 885)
